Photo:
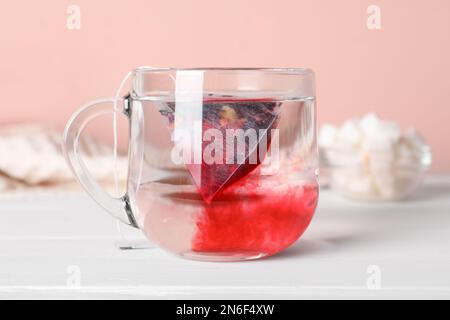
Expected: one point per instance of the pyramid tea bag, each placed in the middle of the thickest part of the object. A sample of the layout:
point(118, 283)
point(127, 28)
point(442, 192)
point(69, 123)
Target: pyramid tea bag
point(232, 138)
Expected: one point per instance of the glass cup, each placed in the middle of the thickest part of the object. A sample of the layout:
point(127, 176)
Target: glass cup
point(222, 161)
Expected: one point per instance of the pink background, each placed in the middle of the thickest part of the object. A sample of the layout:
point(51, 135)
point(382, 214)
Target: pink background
point(401, 71)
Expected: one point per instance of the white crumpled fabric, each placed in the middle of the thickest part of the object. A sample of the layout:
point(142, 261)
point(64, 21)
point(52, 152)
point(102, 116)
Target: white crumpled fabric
point(31, 155)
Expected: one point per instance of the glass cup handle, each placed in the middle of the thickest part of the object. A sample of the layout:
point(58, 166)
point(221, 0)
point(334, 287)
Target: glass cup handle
point(118, 207)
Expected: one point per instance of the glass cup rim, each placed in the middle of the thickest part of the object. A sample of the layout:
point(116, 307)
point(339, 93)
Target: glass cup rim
point(287, 71)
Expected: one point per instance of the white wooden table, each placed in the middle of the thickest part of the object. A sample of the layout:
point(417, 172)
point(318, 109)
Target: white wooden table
point(63, 246)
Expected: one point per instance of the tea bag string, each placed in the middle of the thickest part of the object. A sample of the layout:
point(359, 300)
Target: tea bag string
point(115, 142)
point(115, 138)
point(115, 135)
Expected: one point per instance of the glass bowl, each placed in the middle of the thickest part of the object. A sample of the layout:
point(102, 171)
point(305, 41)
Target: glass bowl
point(374, 174)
